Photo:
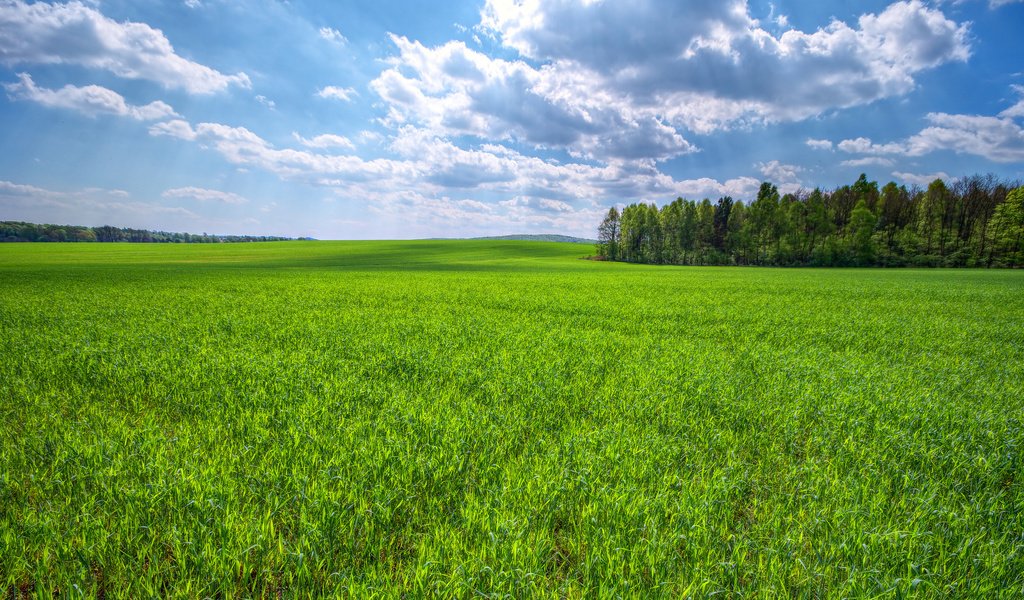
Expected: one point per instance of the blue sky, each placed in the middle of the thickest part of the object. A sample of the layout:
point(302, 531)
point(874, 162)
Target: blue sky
point(391, 119)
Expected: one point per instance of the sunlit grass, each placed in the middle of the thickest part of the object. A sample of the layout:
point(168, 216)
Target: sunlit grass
point(488, 418)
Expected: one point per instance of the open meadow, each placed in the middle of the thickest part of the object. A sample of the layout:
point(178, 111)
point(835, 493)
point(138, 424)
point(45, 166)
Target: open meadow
point(502, 419)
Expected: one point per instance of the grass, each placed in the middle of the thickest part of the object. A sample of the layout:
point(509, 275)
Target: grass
point(502, 419)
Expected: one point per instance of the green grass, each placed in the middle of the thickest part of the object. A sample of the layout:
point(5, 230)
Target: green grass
point(502, 419)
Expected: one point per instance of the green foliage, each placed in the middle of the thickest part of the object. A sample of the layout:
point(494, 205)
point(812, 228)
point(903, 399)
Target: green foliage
point(974, 223)
point(861, 229)
point(17, 231)
point(502, 419)
point(1007, 227)
point(608, 235)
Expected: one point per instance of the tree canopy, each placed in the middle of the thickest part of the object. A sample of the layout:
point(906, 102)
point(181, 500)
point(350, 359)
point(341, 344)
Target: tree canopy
point(17, 231)
point(975, 221)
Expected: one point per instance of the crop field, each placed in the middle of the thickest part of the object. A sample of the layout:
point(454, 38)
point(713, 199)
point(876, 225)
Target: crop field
point(502, 419)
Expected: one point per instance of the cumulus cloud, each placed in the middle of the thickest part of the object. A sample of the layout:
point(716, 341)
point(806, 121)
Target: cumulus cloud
point(336, 93)
point(176, 128)
point(445, 177)
point(205, 195)
point(998, 139)
point(1017, 110)
point(868, 161)
point(326, 140)
point(77, 34)
point(786, 177)
point(819, 144)
point(242, 147)
point(91, 100)
point(780, 173)
point(454, 90)
point(863, 145)
point(639, 76)
point(920, 179)
point(995, 138)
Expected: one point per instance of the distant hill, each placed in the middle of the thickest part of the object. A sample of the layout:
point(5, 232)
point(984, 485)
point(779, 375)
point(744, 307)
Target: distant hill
point(539, 238)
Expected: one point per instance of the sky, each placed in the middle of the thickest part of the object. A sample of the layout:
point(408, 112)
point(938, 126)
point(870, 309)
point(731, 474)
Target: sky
point(391, 119)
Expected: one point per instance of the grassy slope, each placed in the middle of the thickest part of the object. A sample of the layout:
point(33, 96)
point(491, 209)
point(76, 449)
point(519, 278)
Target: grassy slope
point(502, 417)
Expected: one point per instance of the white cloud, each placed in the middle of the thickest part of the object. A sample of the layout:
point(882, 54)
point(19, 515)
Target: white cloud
point(73, 33)
point(88, 206)
point(704, 66)
point(632, 82)
point(176, 128)
point(780, 173)
point(266, 101)
point(444, 177)
point(997, 139)
point(555, 205)
point(1017, 110)
point(193, 3)
point(819, 144)
point(921, 180)
point(454, 90)
point(332, 35)
point(863, 145)
point(91, 100)
point(786, 177)
point(336, 93)
point(370, 137)
point(740, 188)
point(205, 195)
point(242, 147)
point(326, 140)
point(868, 161)
point(10, 189)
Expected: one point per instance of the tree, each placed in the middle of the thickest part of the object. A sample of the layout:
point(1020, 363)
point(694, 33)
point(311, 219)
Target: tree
point(762, 220)
point(862, 226)
point(929, 219)
point(817, 222)
point(640, 234)
point(1007, 228)
point(721, 222)
point(672, 230)
point(976, 221)
point(608, 235)
point(867, 191)
point(705, 230)
point(737, 241)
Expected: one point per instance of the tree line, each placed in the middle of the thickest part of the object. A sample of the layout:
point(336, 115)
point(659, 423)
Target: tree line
point(17, 231)
point(975, 221)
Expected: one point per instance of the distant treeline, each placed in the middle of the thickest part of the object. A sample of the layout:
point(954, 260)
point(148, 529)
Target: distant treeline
point(16, 231)
point(975, 221)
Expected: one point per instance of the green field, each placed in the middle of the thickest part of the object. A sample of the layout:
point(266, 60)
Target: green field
point(493, 419)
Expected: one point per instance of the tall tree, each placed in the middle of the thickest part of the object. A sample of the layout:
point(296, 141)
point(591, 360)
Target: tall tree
point(977, 221)
point(608, 235)
point(862, 227)
point(1007, 228)
point(721, 222)
point(763, 222)
point(929, 220)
